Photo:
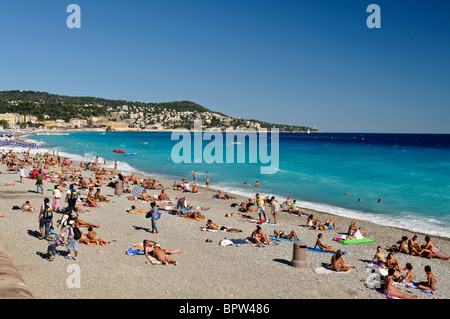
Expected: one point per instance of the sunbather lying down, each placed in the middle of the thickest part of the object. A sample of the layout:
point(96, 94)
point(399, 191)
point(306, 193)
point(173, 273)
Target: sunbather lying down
point(211, 225)
point(153, 249)
point(137, 210)
point(240, 215)
point(192, 215)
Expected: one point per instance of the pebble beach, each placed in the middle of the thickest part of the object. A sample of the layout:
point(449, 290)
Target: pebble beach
point(206, 270)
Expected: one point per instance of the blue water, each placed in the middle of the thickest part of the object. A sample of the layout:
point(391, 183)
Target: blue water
point(410, 173)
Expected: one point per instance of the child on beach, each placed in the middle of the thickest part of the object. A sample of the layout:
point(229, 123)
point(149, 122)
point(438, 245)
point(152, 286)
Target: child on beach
point(409, 277)
point(56, 198)
point(51, 249)
point(431, 280)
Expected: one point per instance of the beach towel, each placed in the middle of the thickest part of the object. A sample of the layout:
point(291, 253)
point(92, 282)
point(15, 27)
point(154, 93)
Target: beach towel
point(296, 215)
point(239, 241)
point(86, 205)
point(203, 228)
point(198, 219)
point(326, 270)
point(153, 260)
point(380, 291)
point(414, 285)
point(320, 250)
point(261, 222)
point(283, 239)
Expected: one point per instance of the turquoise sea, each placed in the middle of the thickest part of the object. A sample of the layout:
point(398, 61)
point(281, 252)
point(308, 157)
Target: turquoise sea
point(410, 173)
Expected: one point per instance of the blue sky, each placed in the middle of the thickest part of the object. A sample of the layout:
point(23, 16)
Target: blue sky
point(311, 62)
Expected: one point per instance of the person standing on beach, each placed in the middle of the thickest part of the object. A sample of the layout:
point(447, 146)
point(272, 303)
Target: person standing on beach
point(45, 218)
point(154, 215)
point(207, 182)
point(22, 173)
point(72, 242)
point(71, 197)
point(260, 202)
point(56, 197)
point(39, 182)
point(194, 176)
point(275, 208)
point(51, 249)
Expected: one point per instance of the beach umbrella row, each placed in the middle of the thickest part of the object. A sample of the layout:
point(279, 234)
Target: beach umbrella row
point(13, 143)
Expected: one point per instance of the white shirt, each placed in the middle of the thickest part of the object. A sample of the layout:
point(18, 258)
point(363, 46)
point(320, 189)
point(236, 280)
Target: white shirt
point(57, 193)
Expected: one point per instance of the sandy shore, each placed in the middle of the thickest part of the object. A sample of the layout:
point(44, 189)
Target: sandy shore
point(206, 270)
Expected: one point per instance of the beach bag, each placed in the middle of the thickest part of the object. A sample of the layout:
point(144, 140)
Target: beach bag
point(226, 242)
point(58, 242)
point(76, 233)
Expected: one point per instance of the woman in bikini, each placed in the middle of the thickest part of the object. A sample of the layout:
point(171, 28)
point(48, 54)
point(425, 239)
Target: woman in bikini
point(322, 246)
point(392, 262)
point(404, 245)
point(160, 254)
point(338, 263)
point(352, 229)
point(258, 236)
point(93, 239)
point(292, 234)
point(379, 258)
point(211, 225)
point(389, 288)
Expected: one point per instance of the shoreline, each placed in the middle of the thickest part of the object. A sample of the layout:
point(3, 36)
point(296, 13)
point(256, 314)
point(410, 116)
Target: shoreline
point(206, 270)
point(243, 193)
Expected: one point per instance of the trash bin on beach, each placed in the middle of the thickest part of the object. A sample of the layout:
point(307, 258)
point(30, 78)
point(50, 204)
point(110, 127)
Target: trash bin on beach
point(118, 188)
point(299, 256)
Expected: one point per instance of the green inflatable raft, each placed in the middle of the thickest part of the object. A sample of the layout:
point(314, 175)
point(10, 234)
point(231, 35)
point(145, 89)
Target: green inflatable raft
point(356, 241)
